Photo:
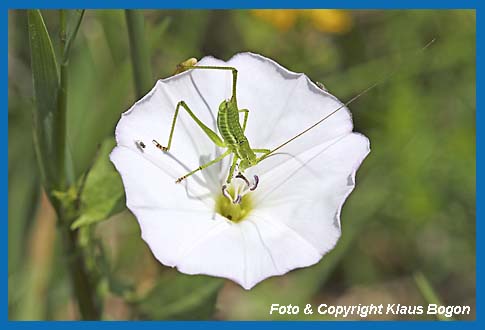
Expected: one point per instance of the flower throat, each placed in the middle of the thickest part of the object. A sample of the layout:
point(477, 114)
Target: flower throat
point(235, 202)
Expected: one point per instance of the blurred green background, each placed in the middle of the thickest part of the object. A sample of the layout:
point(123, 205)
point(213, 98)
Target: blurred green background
point(410, 222)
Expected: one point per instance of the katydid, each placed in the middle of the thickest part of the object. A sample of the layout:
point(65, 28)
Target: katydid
point(231, 131)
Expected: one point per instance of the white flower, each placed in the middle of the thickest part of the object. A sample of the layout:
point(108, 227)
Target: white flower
point(291, 220)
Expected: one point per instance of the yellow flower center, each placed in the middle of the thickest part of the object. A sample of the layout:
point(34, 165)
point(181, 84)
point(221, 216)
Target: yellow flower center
point(233, 211)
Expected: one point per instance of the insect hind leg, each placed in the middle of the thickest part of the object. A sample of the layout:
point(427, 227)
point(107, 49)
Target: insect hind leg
point(245, 120)
point(233, 70)
point(210, 133)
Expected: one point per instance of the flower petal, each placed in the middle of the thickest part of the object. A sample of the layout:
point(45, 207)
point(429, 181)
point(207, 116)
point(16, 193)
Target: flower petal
point(301, 192)
point(283, 103)
point(170, 217)
point(306, 193)
point(151, 119)
point(287, 100)
point(295, 222)
point(184, 232)
point(249, 252)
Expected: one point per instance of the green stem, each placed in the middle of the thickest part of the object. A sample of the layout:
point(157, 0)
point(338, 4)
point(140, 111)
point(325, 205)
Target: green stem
point(82, 285)
point(81, 282)
point(61, 130)
point(139, 52)
point(62, 107)
point(429, 294)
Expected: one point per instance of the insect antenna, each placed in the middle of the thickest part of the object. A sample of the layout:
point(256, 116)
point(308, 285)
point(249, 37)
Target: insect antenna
point(296, 158)
point(363, 92)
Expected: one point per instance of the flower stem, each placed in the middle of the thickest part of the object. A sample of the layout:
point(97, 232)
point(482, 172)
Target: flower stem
point(80, 280)
point(62, 107)
point(139, 52)
point(82, 285)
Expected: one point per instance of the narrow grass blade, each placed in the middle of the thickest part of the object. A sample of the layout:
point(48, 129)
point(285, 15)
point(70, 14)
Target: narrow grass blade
point(429, 293)
point(139, 52)
point(46, 85)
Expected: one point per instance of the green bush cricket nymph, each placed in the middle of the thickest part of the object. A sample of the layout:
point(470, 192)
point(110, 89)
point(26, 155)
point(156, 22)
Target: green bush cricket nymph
point(232, 132)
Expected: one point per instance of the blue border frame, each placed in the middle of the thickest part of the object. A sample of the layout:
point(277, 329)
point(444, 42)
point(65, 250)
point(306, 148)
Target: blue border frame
point(222, 4)
point(350, 4)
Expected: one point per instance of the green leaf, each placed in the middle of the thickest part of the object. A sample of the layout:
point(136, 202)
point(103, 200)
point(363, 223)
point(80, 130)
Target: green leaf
point(103, 193)
point(139, 52)
point(46, 86)
point(112, 22)
point(94, 64)
point(178, 296)
point(155, 37)
point(74, 21)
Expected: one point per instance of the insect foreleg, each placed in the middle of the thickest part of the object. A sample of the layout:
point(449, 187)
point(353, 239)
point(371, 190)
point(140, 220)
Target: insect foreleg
point(210, 133)
point(231, 170)
point(201, 167)
point(245, 120)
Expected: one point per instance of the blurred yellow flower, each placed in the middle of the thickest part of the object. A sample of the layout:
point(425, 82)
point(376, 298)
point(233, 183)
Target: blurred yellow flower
point(330, 20)
point(324, 20)
point(282, 19)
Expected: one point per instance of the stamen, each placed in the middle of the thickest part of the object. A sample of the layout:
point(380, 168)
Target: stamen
point(251, 187)
point(237, 194)
point(225, 193)
point(255, 185)
point(240, 176)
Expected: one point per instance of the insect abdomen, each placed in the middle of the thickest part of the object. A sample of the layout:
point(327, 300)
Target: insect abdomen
point(228, 124)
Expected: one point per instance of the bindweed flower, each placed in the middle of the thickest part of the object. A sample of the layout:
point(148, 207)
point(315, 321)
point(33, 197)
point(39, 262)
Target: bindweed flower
point(204, 225)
